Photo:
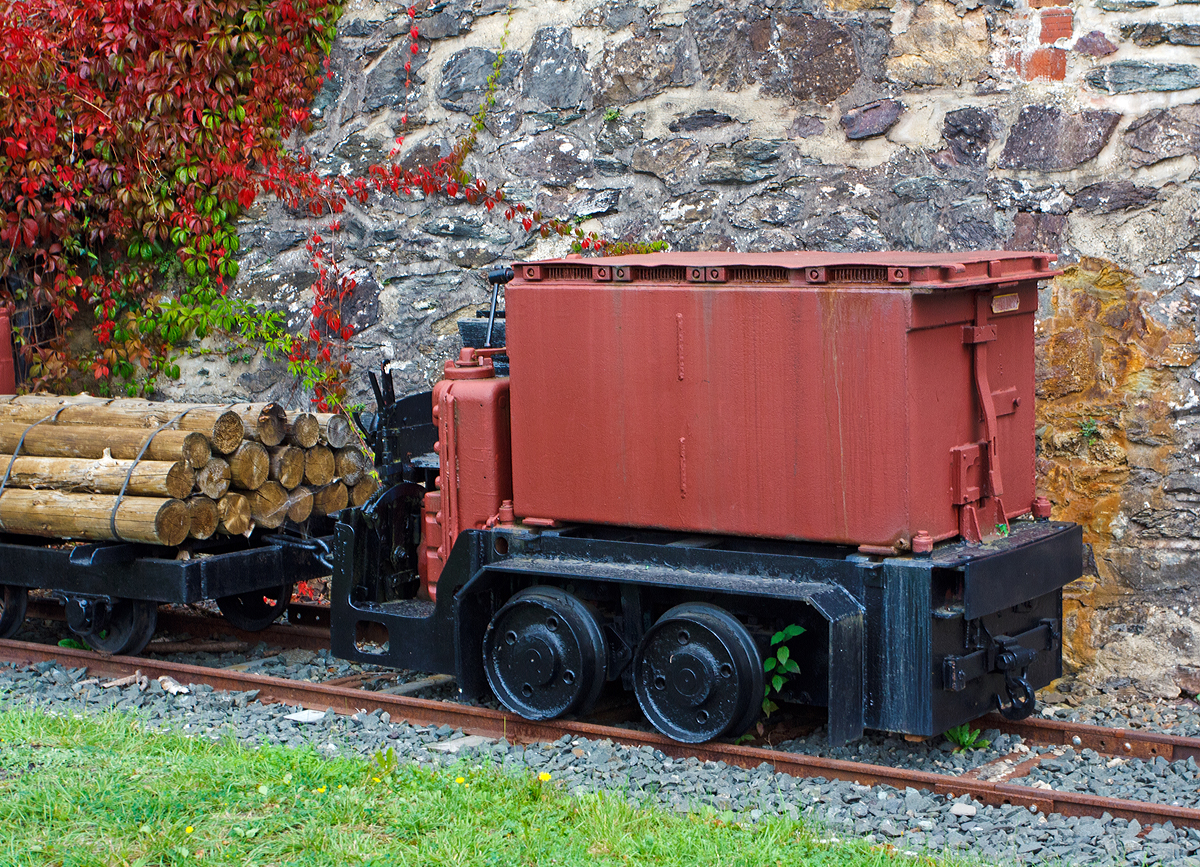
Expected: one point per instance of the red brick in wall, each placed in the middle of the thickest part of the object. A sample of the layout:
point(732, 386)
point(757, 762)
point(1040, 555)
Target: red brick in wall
point(1057, 23)
point(1048, 63)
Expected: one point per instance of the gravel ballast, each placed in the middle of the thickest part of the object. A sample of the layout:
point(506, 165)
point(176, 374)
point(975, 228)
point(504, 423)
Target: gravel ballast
point(910, 820)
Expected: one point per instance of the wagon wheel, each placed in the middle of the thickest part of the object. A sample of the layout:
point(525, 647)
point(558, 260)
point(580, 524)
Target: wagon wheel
point(698, 675)
point(13, 600)
point(255, 610)
point(130, 626)
point(544, 654)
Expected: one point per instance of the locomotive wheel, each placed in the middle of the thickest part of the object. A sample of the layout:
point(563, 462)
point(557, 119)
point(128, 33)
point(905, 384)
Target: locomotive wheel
point(131, 624)
point(544, 654)
point(256, 610)
point(698, 675)
point(13, 600)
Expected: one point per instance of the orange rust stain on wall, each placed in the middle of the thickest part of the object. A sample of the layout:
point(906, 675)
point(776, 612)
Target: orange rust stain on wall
point(1104, 384)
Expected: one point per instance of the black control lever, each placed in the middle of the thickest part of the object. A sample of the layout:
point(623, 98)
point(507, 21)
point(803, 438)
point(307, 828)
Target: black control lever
point(375, 388)
point(498, 277)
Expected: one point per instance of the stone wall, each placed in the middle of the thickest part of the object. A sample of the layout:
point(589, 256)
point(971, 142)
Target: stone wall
point(800, 124)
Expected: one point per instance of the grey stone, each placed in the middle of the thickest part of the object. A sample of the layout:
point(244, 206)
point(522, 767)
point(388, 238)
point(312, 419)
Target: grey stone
point(456, 226)
point(705, 118)
point(615, 15)
point(639, 68)
point(1047, 138)
point(358, 27)
point(385, 82)
point(1164, 133)
point(806, 126)
point(1135, 76)
point(1021, 195)
point(796, 57)
point(1095, 44)
point(1109, 196)
point(872, 119)
point(692, 208)
point(553, 158)
point(555, 72)
point(270, 242)
point(1145, 34)
point(465, 75)
point(356, 153)
point(452, 20)
point(670, 159)
point(745, 162)
point(969, 132)
point(1125, 5)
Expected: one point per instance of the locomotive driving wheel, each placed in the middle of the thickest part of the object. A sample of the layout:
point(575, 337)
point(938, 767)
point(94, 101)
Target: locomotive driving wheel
point(698, 675)
point(13, 600)
point(256, 610)
point(544, 654)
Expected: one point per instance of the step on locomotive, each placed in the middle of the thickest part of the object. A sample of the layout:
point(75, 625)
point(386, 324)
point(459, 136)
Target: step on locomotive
point(657, 470)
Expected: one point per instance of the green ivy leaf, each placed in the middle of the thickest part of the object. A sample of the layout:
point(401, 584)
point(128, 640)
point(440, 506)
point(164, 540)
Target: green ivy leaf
point(769, 664)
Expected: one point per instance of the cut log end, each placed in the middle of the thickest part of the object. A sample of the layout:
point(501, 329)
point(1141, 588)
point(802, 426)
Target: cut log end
point(204, 516)
point(304, 430)
point(319, 466)
point(171, 523)
point(196, 449)
point(213, 478)
point(287, 465)
point(363, 491)
point(250, 466)
point(329, 499)
point(336, 430)
point(300, 504)
point(233, 511)
point(351, 464)
point(227, 433)
point(269, 505)
point(272, 425)
point(181, 478)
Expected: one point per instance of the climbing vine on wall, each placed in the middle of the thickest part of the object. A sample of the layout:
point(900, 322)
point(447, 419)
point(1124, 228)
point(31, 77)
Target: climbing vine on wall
point(132, 135)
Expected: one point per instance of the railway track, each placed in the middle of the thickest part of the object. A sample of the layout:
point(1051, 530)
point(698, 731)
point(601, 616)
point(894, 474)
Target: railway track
point(991, 784)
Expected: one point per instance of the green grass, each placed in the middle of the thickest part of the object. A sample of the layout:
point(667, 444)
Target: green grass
point(102, 790)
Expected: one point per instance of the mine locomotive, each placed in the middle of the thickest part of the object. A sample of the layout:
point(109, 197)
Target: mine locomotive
point(661, 469)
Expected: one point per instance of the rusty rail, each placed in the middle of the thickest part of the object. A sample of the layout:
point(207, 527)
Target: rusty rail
point(498, 724)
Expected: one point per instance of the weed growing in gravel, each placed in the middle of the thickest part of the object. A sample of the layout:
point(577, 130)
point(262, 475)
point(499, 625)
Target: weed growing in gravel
point(103, 790)
point(966, 738)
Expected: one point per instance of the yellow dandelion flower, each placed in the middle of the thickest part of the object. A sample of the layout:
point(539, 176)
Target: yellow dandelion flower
point(460, 780)
point(321, 790)
point(376, 779)
point(189, 829)
point(544, 777)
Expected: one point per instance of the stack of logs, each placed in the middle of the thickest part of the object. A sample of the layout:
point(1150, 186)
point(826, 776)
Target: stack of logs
point(207, 469)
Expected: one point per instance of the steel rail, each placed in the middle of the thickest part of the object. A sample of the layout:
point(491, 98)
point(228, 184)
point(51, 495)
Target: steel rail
point(1130, 743)
point(499, 724)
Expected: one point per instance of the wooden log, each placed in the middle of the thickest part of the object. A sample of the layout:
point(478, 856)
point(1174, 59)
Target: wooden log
point(269, 504)
point(101, 476)
point(287, 465)
point(272, 425)
point(336, 431)
point(204, 516)
point(303, 430)
point(319, 466)
point(350, 464)
point(54, 514)
point(87, 441)
point(213, 479)
point(329, 499)
point(249, 466)
point(223, 428)
point(363, 491)
point(300, 504)
point(233, 510)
